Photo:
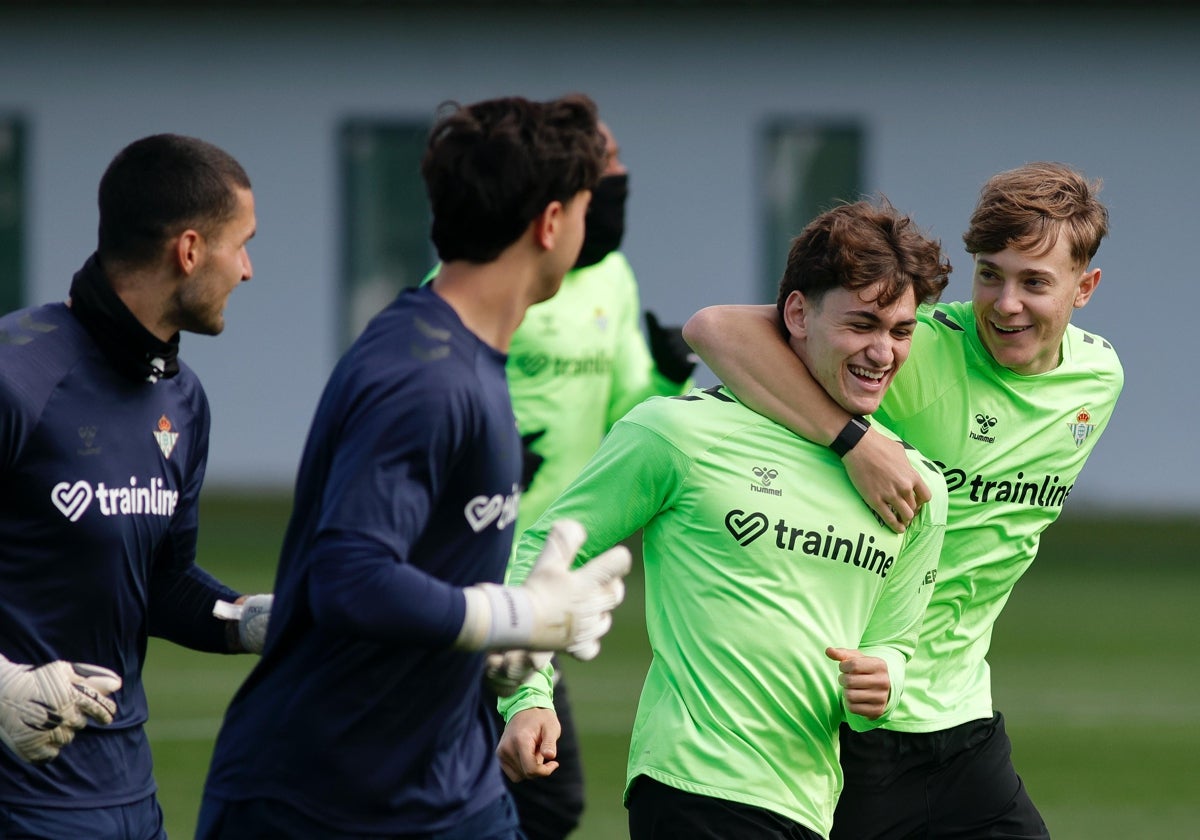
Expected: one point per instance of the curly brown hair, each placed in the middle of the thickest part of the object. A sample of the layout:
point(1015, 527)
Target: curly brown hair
point(856, 246)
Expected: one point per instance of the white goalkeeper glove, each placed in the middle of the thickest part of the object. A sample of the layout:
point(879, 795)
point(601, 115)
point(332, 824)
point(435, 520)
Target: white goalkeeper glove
point(42, 708)
point(556, 608)
point(508, 671)
point(252, 616)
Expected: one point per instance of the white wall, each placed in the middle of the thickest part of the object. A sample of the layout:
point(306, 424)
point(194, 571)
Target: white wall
point(947, 95)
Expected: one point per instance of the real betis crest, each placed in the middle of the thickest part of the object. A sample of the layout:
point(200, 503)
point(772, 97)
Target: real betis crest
point(1082, 426)
point(165, 437)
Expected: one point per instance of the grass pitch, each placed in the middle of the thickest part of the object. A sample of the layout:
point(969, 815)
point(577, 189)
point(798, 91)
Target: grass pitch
point(1093, 665)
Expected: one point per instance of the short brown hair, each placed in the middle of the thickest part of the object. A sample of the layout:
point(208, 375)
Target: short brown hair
point(856, 246)
point(1030, 206)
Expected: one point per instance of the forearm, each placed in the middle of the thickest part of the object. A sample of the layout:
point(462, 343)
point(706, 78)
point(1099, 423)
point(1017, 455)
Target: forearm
point(359, 589)
point(181, 603)
point(743, 346)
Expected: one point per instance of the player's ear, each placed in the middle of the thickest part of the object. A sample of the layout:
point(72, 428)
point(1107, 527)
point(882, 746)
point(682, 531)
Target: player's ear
point(796, 311)
point(1087, 286)
point(186, 250)
point(548, 224)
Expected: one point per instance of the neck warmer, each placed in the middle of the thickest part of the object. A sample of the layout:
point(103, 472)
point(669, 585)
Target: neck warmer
point(605, 221)
point(130, 347)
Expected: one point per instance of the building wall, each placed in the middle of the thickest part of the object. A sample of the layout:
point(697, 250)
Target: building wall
point(947, 95)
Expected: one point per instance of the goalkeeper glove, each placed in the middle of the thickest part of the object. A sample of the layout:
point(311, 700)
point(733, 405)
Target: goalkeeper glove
point(508, 671)
point(672, 355)
point(556, 608)
point(41, 708)
point(531, 461)
point(252, 615)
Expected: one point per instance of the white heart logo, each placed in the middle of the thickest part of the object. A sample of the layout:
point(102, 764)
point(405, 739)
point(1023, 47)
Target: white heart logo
point(482, 511)
point(71, 499)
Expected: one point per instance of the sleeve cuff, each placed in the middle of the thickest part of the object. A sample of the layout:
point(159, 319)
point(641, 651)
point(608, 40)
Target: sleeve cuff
point(537, 692)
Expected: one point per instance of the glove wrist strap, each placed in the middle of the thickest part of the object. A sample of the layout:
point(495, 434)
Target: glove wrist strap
point(497, 618)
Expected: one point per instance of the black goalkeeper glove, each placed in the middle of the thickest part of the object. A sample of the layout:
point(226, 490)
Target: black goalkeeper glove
point(672, 355)
point(531, 462)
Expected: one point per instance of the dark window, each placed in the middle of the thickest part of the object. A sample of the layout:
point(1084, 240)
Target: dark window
point(385, 216)
point(12, 213)
point(808, 167)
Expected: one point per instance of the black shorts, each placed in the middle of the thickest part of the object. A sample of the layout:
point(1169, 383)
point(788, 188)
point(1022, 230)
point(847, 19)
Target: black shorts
point(661, 812)
point(957, 783)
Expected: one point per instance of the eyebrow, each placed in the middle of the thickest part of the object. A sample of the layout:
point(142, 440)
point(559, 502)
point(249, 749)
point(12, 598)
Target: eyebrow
point(871, 316)
point(1028, 272)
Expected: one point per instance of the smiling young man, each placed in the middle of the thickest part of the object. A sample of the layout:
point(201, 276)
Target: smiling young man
point(103, 446)
point(767, 579)
point(1010, 398)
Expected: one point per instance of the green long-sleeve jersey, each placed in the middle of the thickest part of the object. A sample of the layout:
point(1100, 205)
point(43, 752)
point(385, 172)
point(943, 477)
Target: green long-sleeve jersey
point(576, 364)
point(758, 555)
point(1011, 448)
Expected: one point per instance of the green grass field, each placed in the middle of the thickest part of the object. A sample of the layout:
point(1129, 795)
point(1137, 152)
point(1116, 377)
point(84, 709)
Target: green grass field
point(1094, 666)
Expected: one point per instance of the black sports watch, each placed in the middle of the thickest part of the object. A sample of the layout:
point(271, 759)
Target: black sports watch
point(850, 435)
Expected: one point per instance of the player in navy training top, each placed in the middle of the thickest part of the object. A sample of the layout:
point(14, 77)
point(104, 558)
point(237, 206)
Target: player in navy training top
point(103, 442)
point(366, 715)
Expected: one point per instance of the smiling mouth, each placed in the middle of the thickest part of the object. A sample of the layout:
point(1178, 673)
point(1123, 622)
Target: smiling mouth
point(1008, 330)
point(872, 376)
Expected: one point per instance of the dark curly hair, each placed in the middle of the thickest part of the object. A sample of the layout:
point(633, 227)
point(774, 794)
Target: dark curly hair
point(856, 246)
point(491, 168)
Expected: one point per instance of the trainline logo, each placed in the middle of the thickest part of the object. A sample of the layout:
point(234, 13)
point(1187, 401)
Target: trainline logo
point(1030, 490)
point(860, 550)
point(591, 364)
point(74, 498)
point(483, 510)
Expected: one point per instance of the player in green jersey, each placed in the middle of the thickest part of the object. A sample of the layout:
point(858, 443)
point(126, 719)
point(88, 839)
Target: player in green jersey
point(576, 364)
point(768, 581)
point(578, 361)
point(1010, 398)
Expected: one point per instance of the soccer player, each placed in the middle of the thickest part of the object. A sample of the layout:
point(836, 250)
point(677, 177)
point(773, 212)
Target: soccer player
point(577, 363)
point(366, 716)
point(768, 581)
point(1010, 398)
point(103, 444)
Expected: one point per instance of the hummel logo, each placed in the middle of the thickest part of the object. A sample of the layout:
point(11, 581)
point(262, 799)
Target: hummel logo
point(766, 475)
point(87, 436)
point(746, 527)
point(986, 424)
